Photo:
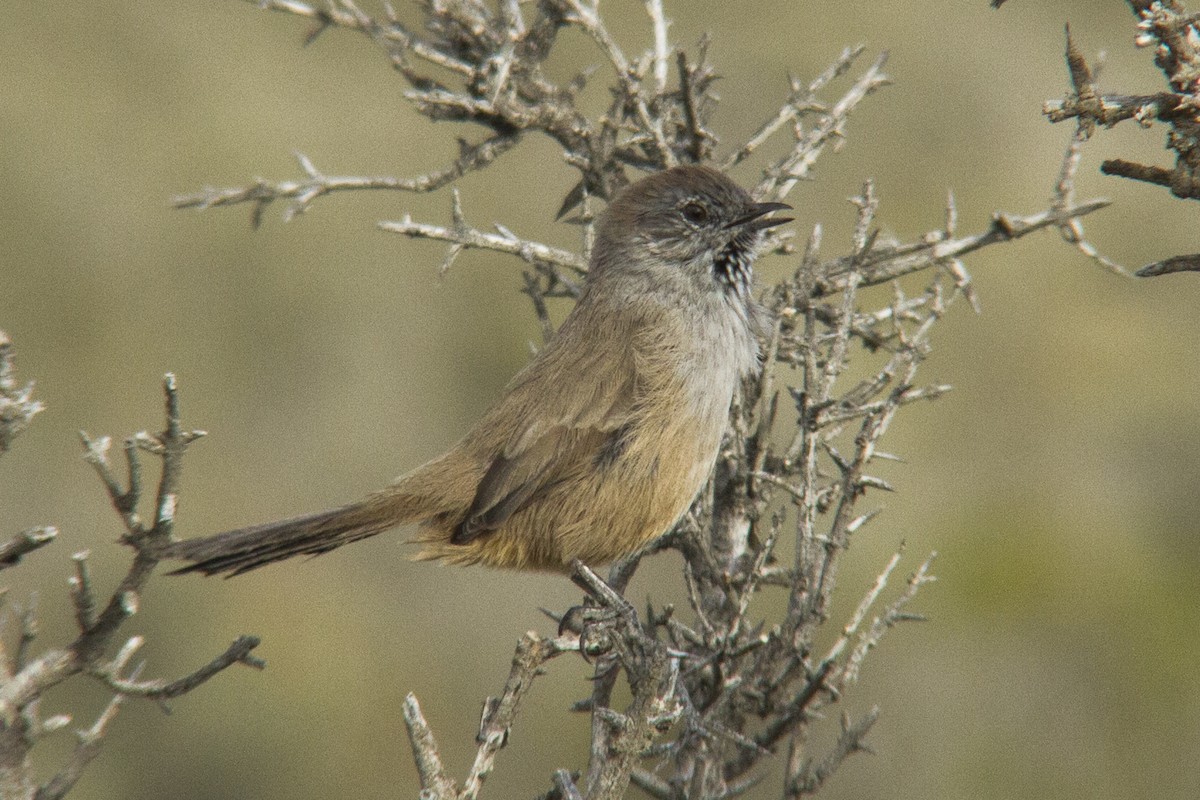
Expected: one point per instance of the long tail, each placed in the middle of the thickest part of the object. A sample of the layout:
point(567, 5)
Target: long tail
point(244, 549)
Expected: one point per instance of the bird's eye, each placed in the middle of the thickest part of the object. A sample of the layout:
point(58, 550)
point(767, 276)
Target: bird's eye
point(695, 213)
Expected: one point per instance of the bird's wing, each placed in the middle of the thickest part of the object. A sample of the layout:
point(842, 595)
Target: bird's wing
point(572, 410)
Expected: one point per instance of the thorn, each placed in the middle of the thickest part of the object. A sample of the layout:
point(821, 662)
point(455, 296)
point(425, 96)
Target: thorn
point(307, 165)
point(456, 210)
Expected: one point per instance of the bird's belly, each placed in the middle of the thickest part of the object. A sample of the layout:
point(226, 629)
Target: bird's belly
point(608, 512)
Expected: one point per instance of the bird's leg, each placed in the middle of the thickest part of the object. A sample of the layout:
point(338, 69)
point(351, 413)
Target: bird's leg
point(602, 616)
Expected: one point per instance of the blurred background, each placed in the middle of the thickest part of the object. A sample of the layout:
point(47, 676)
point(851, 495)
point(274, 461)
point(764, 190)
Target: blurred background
point(1058, 481)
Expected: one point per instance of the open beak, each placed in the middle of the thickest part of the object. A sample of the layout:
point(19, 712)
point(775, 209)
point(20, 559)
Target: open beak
point(753, 219)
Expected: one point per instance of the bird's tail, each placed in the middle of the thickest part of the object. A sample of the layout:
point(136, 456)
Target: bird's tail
point(244, 549)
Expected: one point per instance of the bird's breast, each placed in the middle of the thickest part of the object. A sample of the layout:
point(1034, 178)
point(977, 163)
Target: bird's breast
point(719, 350)
point(688, 380)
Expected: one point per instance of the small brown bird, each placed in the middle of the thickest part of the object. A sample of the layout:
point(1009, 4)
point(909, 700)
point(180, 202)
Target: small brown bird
point(602, 442)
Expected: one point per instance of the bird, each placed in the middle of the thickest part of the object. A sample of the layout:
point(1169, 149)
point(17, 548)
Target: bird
point(603, 441)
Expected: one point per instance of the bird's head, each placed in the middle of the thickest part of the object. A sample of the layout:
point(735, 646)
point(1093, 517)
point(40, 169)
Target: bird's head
point(688, 222)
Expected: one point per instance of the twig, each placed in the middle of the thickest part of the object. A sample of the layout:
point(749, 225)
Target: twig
point(316, 184)
point(25, 542)
point(236, 653)
point(812, 777)
point(125, 501)
point(782, 176)
point(662, 46)
point(1188, 263)
point(533, 651)
point(588, 19)
point(499, 713)
point(27, 681)
point(533, 289)
point(434, 782)
point(565, 784)
point(87, 748)
point(545, 257)
point(864, 606)
point(803, 100)
point(16, 406)
point(699, 139)
point(82, 595)
point(895, 613)
point(391, 32)
point(29, 631)
point(882, 266)
point(1175, 37)
point(1089, 109)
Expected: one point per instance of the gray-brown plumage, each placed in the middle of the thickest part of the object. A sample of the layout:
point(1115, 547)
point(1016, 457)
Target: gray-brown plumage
point(603, 441)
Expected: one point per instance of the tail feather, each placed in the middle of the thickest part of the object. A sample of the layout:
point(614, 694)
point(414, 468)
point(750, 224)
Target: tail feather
point(244, 549)
point(436, 494)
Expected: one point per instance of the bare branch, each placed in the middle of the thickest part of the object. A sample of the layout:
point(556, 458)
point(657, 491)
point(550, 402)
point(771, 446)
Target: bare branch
point(1188, 263)
point(87, 748)
point(662, 47)
point(26, 680)
point(315, 184)
point(533, 651)
point(864, 606)
point(1064, 197)
point(782, 176)
point(546, 258)
point(619, 739)
point(499, 713)
point(82, 595)
point(894, 614)
point(565, 784)
point(345, 16)
point(1175, 37)
point(434, 781)
point(236, 653)
point(882, 265)
point(813, 776)
point(803, 101)
point(16, 406)
point(25, 542)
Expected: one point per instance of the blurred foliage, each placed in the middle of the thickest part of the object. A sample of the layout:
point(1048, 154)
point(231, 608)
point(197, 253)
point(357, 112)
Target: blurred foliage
point(1058, 480)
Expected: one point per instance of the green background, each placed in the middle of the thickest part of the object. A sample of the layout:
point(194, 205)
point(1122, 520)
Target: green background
point(1058, 481)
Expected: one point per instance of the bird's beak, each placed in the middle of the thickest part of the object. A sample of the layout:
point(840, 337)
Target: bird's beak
point(753, 219)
